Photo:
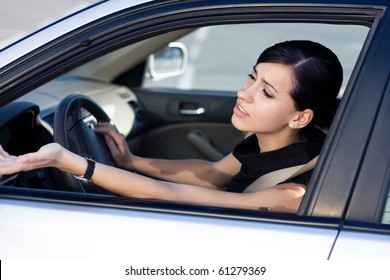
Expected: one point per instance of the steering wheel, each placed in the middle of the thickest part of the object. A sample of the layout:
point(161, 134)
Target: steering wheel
point(74, 120)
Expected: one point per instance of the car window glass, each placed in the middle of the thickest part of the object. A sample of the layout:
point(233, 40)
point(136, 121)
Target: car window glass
point(219, 57)
point(386, 212)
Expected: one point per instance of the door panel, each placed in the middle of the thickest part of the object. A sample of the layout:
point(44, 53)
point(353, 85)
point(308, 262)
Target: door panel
point(187, 124)
point(47, 230)
point(165, 106)
point(210, 141)
point(361, 245)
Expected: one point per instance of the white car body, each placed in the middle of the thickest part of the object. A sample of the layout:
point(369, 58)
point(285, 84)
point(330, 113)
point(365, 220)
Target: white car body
point(57, 229)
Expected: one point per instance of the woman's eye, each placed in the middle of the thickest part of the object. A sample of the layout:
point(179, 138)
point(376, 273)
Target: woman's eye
point(251, 76)
point(266, 94)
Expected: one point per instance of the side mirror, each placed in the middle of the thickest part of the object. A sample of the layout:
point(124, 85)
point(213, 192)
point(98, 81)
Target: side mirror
point(168, 62)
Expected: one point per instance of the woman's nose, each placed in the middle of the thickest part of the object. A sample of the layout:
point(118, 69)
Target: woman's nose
point(245, 94)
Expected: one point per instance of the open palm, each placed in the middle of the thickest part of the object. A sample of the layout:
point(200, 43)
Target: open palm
point(46, 156)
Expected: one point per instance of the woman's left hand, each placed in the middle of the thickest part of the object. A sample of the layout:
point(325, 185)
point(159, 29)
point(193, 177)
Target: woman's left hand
point(47, 156)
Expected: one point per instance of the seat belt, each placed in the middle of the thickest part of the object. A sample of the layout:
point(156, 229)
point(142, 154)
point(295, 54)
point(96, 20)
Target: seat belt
point(275, 177)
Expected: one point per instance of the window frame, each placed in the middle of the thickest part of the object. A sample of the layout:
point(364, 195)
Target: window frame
point(373, 184)
point(366, 91)
point(125, 27)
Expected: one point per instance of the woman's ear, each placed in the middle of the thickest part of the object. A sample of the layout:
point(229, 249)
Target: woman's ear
point(302, 119)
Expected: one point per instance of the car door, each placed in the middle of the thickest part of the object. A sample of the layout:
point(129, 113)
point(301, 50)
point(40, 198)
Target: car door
point(367, 219)
point(41, 223)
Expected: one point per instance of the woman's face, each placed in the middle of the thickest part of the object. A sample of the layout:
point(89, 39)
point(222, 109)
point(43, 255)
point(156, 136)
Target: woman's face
point(264, 104)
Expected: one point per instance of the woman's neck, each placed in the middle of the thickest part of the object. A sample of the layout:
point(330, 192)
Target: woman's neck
point(268, 142)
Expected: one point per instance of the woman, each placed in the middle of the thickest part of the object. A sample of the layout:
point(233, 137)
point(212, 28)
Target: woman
point(290, 85)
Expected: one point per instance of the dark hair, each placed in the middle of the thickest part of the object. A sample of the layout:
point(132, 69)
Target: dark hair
point(317, 72)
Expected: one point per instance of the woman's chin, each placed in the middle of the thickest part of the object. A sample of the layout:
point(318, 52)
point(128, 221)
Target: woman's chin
point(236, 122)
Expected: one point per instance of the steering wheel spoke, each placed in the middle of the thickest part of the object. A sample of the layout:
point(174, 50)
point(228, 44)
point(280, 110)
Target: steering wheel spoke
point(74, 120)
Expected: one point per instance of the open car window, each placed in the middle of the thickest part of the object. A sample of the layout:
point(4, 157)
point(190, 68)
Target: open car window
point(144, 104)
point(219, 57)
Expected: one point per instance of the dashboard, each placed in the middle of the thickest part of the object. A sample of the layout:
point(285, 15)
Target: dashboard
point(117, 101)
point(28, 124)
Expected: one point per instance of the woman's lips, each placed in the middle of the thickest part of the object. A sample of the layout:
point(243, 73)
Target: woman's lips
point(239, 110)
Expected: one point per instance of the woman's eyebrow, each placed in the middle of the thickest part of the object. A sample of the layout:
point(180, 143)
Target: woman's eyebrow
point(265, 81)
point(269, 84)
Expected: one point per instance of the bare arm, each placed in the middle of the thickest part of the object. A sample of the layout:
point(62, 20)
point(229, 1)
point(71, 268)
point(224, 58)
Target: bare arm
point(281, 198)
point(194, 172)
point(284, 198)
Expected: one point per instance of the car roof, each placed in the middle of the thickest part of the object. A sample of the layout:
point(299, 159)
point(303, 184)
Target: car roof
point(63, 26)
point(101, 9)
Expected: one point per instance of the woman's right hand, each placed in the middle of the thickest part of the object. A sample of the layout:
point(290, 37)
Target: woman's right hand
point(116, 142)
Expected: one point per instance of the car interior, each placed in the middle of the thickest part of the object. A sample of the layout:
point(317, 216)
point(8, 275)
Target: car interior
point(131, 87)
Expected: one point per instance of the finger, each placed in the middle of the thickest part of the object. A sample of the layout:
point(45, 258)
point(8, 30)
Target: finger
point(105, 128)
point(11, 165)
point(115, 150)
point(107, 125)
point(3, 152)
point(112, 145)
point(103, 124)
point(7, 168)
point(8, 159)
point(111, 132)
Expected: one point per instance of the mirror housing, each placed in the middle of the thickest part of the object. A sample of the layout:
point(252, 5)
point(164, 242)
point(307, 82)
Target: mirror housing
point(168, 62)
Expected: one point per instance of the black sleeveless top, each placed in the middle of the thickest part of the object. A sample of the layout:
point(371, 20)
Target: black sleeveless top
point(255, 164)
